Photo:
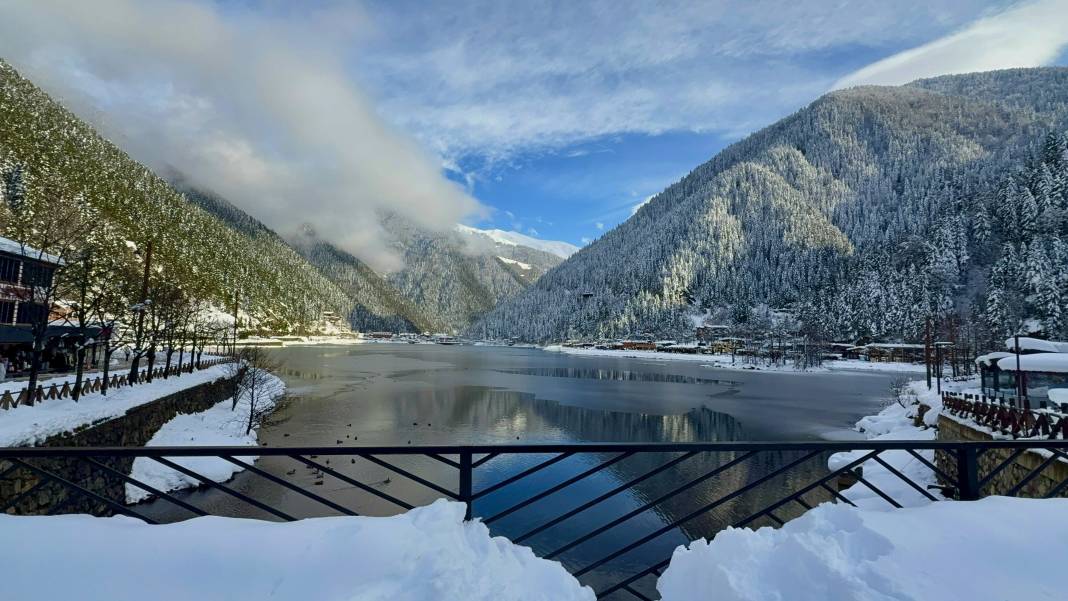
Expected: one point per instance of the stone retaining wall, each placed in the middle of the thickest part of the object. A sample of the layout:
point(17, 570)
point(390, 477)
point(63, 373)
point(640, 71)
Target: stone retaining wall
point(950, 429)
point(134, 429)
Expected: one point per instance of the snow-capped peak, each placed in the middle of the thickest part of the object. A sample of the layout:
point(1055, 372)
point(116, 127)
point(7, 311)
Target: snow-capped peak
point(510, 238)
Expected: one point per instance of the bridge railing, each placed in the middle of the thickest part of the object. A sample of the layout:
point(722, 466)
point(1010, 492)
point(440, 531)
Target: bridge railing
point(611, 513)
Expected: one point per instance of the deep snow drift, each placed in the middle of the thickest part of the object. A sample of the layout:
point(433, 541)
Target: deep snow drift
point(995, 549)
point(221, 425)
point(427, 554)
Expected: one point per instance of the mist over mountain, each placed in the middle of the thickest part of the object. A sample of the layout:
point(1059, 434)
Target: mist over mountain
point(866, 212)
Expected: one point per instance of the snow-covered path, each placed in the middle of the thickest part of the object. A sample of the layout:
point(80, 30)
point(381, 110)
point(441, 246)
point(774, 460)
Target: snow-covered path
point(29, 425)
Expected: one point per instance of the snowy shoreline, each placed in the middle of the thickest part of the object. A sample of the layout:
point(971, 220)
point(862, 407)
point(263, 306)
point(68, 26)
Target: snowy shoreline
point(718, 361)
point(221, 425)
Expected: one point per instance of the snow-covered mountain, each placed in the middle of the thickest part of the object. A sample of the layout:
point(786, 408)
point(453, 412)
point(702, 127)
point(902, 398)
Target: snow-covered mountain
point(865, 213)
point(455, 276)
point(512, 238)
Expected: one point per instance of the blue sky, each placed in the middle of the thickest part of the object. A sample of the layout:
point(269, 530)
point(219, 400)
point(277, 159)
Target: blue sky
point(561, 117)
point(552, 117)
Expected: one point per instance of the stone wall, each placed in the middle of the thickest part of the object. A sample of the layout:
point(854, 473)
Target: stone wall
point(30, 494)
point(950, 429)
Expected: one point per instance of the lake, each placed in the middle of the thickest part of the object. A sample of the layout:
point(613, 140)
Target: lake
point(399, 394)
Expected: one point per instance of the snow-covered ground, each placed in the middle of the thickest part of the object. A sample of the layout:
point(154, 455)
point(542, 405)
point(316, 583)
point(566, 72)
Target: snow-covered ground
point(995, 549)
point(427, 554)
point(221, 425)
point(724, 361)
point(28, 425)
point(989, 550)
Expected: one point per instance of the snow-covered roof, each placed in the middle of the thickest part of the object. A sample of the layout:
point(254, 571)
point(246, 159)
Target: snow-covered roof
point(988, 358)
point(10, 246)
point(1035, 344)
point(1058, 395)
point(1049, 362)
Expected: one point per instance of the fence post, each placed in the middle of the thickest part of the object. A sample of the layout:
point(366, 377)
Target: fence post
point(967, 473)
point(466, 473)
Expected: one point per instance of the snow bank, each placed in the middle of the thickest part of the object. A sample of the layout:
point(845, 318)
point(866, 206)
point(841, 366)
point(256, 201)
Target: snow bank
point(896, 422)
point(427, 554)
point(994, 549)
point(221, 425)
point(28, 425)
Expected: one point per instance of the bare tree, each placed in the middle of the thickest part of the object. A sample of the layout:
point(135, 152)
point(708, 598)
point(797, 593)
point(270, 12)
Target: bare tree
point(251, 375)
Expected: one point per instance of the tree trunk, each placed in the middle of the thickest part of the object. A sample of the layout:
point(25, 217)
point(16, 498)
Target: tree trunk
point(251, 401)
point(79, 372)
point(167, 364)
point(135, 364)
point(35, 366)
point(107, 366)
point(151, 362)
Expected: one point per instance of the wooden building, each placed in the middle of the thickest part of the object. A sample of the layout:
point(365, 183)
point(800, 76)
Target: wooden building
point(21, 269)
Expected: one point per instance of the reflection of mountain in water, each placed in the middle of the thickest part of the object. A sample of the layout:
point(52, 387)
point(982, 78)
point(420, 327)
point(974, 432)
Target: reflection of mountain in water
point(618, 375)
point(504, 414)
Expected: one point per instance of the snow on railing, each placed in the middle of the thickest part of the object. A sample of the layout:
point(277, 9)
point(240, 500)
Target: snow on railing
point(1002, 416)
point(93, 385)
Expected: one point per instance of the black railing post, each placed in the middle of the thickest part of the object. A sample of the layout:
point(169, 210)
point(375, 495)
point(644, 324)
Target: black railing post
point(967, 473)
point(466, 476)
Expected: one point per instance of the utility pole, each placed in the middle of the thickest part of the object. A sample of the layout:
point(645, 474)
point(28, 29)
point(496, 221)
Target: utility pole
point(927, 350)
point(1019, 374)
point(233, 349)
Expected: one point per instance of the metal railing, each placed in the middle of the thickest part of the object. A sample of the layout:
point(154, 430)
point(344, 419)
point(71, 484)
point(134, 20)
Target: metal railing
point(648, 498)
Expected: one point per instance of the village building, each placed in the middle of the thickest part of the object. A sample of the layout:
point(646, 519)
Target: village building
point(1029, 372)
point(22, 268)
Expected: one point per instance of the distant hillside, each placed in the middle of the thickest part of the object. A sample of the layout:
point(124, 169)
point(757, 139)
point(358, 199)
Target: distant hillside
point(377, 305)
point(425, 295)
point(865, 213)
point(59, 157)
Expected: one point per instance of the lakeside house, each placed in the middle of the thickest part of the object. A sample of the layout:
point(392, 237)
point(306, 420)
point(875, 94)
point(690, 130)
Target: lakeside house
point(1029, 371)
point(22, 268)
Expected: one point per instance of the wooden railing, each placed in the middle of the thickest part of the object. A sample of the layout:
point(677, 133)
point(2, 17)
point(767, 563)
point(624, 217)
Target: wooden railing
point(92, 385)
point(1006, 418)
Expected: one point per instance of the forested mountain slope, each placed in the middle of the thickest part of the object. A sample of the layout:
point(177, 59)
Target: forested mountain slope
point(848, 212)
point(377, 305)
point(51, 161)
point(454, 277)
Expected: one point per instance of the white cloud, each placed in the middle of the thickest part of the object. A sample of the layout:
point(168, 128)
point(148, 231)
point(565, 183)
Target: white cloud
point(599, 225)
point(586, 240)
point(1028, 35)
point(492, 78)
point(255, 105)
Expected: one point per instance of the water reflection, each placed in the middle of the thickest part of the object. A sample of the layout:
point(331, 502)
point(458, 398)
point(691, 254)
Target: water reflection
point(617, 375)
point(454, 395)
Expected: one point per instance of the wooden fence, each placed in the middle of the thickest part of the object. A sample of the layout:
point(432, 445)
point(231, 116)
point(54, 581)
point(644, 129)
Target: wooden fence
point(91, 385)
point(1002, 416)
